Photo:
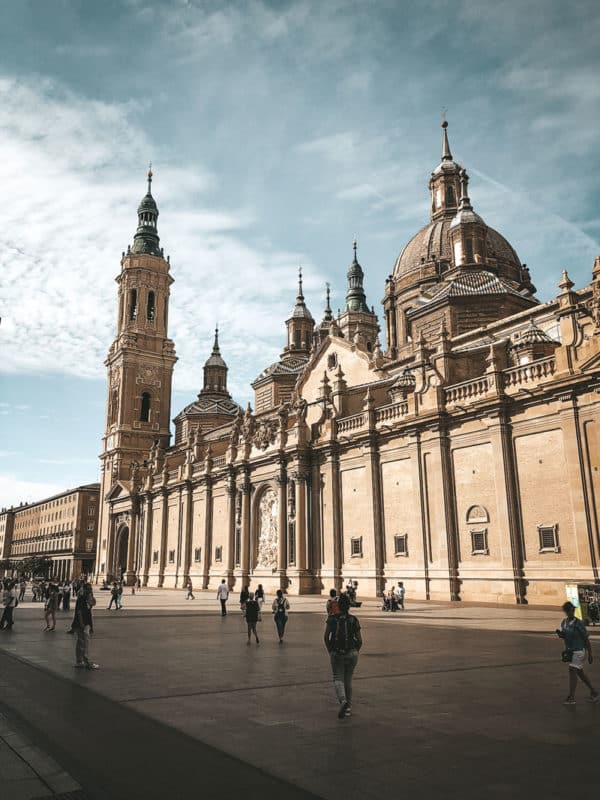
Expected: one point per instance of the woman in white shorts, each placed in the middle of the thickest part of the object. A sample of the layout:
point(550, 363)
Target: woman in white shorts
point(577, 644)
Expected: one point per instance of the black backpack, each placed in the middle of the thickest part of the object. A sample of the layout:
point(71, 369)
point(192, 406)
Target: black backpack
point(344, 638)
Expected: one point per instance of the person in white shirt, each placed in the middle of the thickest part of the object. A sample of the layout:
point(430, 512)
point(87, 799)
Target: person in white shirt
point(9, 600)
point(400, 591)
point(222, 595)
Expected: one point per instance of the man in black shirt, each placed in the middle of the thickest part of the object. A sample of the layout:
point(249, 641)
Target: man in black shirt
point(83, 626)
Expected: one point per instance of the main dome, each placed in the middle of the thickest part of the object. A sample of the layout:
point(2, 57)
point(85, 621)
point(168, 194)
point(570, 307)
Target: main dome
point(433, 242)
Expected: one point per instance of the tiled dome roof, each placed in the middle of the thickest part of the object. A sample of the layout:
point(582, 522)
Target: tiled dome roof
point(433, 240)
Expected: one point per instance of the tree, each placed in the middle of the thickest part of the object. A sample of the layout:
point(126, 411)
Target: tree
point(35, 565)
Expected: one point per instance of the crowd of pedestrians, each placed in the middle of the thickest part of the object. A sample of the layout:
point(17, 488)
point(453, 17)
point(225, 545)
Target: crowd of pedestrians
point(342, 636)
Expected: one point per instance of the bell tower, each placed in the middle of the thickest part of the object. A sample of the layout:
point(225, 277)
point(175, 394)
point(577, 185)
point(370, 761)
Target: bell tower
point(140, 360)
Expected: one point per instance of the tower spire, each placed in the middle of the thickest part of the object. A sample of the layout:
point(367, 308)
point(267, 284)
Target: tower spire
point(356, 299)
point(300, 296)
point(328, 313)
point(146, 239)
point(446, 154)
point(465, 201)
point(215, 350)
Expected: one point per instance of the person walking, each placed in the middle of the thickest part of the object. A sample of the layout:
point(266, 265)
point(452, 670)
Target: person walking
point(50, 608)
point(332, 606)
point(222, 595)
point(10, 601)
point(83, 626)
point(577, 643)
point(22, 589)
point(66, 598)
point(244, 594)
point(400, 592)
point(343, 641)
point(279, 608)
point(259, 596)
point(190, 590)
point(252, 614)
point(114, 597)
point(119, 595)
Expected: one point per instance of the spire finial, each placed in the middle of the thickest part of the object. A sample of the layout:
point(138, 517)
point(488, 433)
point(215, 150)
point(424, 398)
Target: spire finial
point(465, 201)
point(150, 173)
point(328, 314)
point(215, 349)
point(446, 154)
point(354, 246)
point(300, 294)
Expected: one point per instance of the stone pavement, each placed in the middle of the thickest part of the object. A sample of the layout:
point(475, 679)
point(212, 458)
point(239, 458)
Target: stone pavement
point(450, 700)
point(26, 772)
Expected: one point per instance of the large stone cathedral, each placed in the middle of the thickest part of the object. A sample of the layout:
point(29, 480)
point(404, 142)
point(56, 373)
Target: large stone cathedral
point(463, 459)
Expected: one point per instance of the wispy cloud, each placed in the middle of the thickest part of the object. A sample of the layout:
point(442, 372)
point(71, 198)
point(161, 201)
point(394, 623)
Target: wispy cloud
point(69, 173)
point(13, 490)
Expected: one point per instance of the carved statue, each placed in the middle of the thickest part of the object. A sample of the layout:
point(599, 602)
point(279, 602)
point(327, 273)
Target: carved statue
point(234, 436)
point(268, 535)
point(265, 434)
point(248, 425)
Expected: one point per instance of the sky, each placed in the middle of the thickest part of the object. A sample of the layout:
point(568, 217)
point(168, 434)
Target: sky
point(278, 132)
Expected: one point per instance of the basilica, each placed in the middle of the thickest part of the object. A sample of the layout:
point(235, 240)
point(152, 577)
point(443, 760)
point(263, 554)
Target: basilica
point(451, 442)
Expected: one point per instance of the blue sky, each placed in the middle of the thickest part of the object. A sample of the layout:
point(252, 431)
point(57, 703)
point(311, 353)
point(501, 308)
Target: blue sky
point(278, 131)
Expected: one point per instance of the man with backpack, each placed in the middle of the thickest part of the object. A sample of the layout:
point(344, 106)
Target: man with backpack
point(343, 641)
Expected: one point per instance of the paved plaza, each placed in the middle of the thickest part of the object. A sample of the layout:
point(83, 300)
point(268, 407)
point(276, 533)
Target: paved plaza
point(450, 701)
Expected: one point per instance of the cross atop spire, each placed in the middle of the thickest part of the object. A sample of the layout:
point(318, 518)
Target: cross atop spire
point(300, 296)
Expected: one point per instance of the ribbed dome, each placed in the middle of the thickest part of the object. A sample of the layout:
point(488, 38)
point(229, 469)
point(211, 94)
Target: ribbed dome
point(433, 240)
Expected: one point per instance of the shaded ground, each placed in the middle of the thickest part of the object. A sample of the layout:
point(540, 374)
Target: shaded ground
point(450, 701)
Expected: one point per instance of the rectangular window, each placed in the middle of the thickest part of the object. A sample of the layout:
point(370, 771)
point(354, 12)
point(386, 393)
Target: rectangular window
point(548, 538)
point(155, 557)
point(198, 554)
point(89, 545)
point(102, 566)
point(218, 554)
point(401, 544)
point(479, 543)
point(91, 511)
point(171, 556)
point(356, 547)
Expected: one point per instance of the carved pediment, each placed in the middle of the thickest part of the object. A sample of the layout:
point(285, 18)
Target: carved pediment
point(118, 489)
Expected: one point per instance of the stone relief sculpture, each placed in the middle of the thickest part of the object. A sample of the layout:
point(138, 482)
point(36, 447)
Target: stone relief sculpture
point(267, 535)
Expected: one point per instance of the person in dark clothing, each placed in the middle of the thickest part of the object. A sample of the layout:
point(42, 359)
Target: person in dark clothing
point(343, 641)
point(279, 608)
point(252, 613)
point(66, 598)
point(83, 626)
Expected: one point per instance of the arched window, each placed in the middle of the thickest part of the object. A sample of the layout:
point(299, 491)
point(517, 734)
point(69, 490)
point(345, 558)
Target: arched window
point(469, 251)
point(150, 307)
point(450, 199)
point(298, 341)
point(133, 304)
point(145, 410)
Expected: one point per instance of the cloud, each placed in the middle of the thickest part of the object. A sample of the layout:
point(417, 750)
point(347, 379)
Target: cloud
point(68, 172)
point(14, 490)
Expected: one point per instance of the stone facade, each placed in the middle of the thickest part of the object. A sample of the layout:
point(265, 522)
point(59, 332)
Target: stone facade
point(464, 459)
point(63, 528)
